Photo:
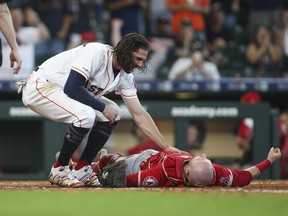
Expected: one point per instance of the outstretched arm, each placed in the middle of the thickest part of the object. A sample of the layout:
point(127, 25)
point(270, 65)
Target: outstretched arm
point(235, 178)
point(272, 156)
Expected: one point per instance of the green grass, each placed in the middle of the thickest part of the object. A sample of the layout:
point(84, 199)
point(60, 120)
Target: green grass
point(148, 203)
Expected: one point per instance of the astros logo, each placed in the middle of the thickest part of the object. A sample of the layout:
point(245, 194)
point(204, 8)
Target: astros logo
point(149, 181)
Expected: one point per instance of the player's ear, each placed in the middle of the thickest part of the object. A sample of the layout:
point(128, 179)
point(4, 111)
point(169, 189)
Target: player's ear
point(187, 169)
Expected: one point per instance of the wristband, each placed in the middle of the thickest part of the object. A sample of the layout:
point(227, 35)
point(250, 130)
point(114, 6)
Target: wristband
point(264, 165)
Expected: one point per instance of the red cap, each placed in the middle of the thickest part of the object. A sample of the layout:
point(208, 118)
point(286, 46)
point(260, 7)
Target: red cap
point(88, 36)
point(251, 97)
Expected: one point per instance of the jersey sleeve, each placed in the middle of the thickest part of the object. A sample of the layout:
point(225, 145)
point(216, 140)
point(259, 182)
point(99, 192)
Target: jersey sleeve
point(154, 177)
point(230, 178)
point(127, 88)
point(89, 59)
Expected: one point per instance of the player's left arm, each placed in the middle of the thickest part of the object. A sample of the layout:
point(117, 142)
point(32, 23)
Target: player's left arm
point(234, 178)
point(74, 88)
point(273, 155)
point(225, 177)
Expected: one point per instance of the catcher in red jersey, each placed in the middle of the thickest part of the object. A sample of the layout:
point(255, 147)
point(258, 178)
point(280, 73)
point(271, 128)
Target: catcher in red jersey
point(175, 169)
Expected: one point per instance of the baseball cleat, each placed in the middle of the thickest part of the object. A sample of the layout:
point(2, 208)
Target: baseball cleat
point(72, 164)
point(61, 176)
point(87, 176)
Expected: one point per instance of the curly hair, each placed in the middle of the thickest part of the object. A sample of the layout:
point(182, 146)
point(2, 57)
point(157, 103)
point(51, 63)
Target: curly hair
point(123, 51)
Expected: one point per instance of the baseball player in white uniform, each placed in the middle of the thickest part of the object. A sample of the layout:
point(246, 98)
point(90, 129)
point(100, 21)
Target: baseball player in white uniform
point(70, 88)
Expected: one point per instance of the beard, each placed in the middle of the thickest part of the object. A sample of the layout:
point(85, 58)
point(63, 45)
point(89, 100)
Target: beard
point(128, 68)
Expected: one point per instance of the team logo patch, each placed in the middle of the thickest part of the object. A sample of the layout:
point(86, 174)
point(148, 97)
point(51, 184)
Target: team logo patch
point(226, 181)
point(149, 181)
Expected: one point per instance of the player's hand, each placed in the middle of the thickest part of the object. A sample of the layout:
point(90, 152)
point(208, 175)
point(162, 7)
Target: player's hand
point(171, 148)
point(15, 57)
point(110, 113)
point(274, 154)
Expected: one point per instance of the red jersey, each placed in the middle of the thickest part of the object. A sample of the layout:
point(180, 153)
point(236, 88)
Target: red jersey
point(245, 131)
point(164, 169)
point(225, 177)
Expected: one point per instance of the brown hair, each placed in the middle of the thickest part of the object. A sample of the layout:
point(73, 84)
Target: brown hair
point(124, 49)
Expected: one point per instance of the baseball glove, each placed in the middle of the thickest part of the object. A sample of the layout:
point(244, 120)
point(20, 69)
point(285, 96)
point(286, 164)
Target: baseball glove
point(113, 175)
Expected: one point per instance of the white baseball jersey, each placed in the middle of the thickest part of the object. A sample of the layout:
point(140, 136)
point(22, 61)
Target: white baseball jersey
point(94, 62)
point(43, 90)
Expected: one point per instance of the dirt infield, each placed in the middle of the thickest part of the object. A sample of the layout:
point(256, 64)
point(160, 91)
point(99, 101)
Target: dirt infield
point(257, 186)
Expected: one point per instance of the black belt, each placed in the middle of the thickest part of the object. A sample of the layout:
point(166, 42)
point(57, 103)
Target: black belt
point(36, 68)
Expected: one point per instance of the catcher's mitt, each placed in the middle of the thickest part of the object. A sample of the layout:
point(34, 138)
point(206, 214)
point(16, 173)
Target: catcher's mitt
point(113, 175)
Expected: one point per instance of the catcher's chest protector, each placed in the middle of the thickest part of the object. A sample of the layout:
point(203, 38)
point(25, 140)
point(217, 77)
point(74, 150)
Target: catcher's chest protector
point(172, 166)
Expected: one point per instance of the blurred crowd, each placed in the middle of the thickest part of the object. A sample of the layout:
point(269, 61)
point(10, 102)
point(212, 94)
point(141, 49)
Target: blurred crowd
point(190, 39)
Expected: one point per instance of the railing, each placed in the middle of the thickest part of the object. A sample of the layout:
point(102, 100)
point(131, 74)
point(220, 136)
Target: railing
point(223, 85)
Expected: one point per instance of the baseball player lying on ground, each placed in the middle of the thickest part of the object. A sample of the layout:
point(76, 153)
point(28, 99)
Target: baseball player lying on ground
point(173, 169)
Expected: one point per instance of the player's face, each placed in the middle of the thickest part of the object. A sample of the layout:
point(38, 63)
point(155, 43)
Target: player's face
point(139, 58)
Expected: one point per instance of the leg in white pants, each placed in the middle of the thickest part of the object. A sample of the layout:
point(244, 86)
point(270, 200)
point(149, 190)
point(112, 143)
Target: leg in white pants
point(49, 101)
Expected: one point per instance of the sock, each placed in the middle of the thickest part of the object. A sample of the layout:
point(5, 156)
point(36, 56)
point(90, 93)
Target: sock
point(96, 140)
point(73, 138)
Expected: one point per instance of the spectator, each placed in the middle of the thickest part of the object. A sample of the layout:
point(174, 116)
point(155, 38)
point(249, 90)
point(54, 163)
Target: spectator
point(88, 25)
point(126, 16)
point(195, 11)
point(218, 35)
point(162, 49)
point(58, 16)
point(231, 8)
point(186, 40)
point(28, 27)
point(157, 9)
point(6, 27)
point(193, 68)
point(264, 12)
point(262, 52)
point(30, 31)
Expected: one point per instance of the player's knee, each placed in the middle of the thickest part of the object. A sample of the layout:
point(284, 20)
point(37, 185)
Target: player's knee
point(89, 118)
point(116, 107)
point(119, 114)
